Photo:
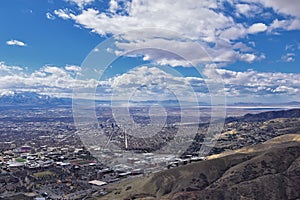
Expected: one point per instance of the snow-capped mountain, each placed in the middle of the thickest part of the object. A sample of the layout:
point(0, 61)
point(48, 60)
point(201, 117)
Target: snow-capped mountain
point(31, 98)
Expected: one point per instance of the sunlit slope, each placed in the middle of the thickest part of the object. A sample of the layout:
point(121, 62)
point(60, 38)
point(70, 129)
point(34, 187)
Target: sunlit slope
point(266, 171)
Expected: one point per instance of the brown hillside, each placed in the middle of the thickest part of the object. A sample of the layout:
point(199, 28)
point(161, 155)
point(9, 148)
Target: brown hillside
point(266, 171)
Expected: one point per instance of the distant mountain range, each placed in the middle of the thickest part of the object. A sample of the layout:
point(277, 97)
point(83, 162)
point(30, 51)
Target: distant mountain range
point(32, 98)
point(291, 103)
point(264, 116)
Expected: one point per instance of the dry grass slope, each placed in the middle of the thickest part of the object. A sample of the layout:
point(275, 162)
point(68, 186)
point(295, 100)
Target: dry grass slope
point(266, 171)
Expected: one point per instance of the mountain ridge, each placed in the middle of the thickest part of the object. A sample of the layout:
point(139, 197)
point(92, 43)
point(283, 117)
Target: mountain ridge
point(32, 98)
point(264, 116)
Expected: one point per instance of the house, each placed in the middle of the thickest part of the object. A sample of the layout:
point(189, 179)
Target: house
point(97, 183)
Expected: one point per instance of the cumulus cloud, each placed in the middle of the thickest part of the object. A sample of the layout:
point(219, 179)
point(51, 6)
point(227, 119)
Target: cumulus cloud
point(289, 57)
point(73, 68)
point(151, 83)
point(247, 10)
point(50, 16)
point(276, 24)
point(288, 24)
point(256, 28)
point(285, 89)
point(81, 3)
point(4, 69)
point(113, 6)
point(260, 83)
point(289, 10)
point(16, 43)
point(63, 13)
point(287, 7)
point(204, 22)
point(48, 79)
point(236, 83)
point(248, 57)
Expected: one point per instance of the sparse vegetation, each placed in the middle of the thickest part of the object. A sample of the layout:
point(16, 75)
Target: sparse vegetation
point(43, 174)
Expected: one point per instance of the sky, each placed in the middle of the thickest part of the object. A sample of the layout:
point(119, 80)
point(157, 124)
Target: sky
point(244, 50)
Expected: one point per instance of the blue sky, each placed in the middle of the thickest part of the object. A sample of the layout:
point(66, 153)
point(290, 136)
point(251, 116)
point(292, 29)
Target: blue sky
point(55, 42)
point(254, 45)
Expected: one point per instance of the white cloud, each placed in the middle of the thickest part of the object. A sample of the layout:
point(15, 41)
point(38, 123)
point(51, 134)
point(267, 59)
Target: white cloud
point(290, 47)
point(256, 28)
point(289, 57)
point(196, 21)
point(145, 83)
point(50, 16)
point(49, 79)
point(4, 69)
point(285, 8)
point(248, 10)
point(260, 83)
point(276, 24)
point(295, 24)
point(289, 24)
point(73, 68)
point(55, 71)
point(153, 82)
point(113, 6)
point(285, 89)
point(16, 43)
point(145, 14)
point(63, 13)
point(243, 8)
point(81, 3)
point(242, 47)
point(248, 57)
point(234, 32)
point(237, 83)
point(206, 22)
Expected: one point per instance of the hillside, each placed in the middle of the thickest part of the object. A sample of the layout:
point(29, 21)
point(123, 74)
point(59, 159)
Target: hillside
point(270, 170)
point(264, 116)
